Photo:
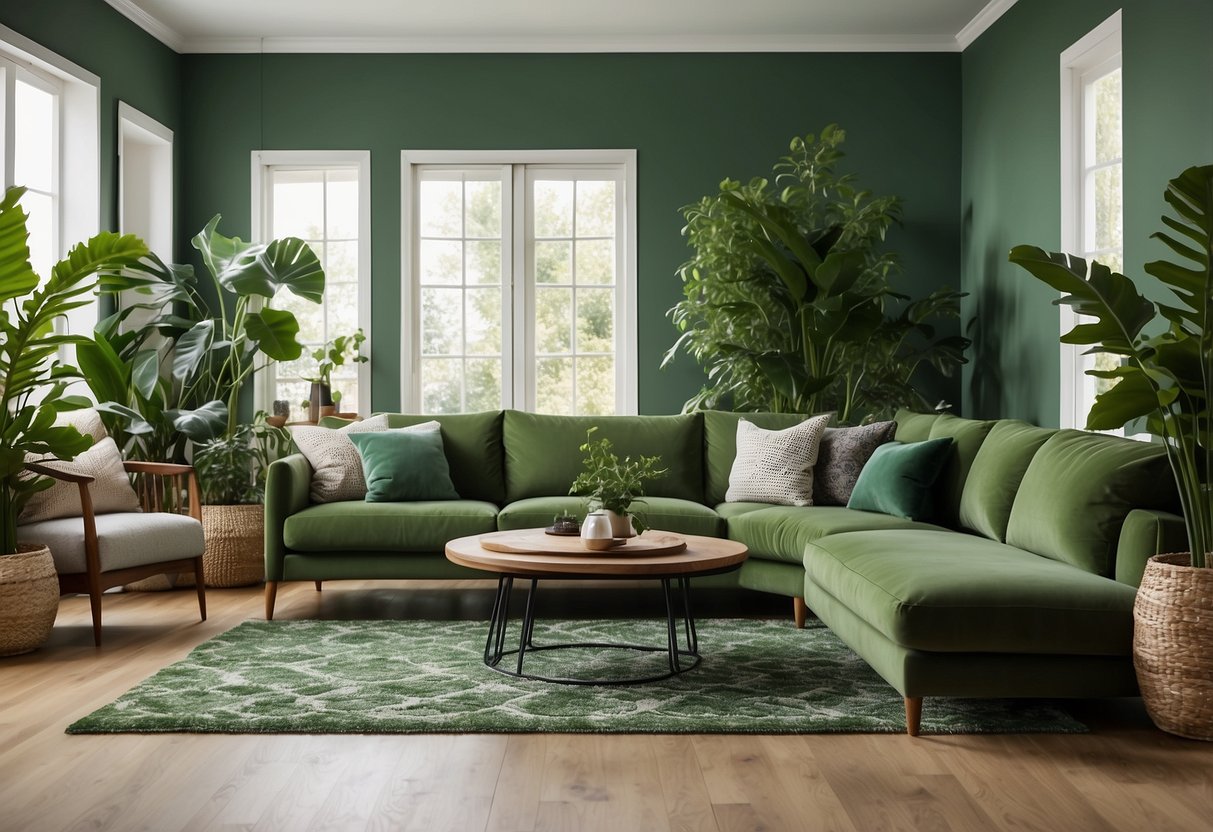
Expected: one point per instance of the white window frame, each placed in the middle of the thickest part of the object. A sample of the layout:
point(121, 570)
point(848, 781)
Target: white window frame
point(517, 340)
point(1094, 55)
point(145, 155)
point(262, 162)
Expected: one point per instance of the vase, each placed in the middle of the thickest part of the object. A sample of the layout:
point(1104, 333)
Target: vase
point(321, 396)
point(1173, 645)
point(621, 524)
point(29, 599)
point(597, 532)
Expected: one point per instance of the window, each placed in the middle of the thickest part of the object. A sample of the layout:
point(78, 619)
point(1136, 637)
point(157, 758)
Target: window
point(519, 282)
point(324, 199)
point(145, 193)
point(34, 113)
point(1091, 191)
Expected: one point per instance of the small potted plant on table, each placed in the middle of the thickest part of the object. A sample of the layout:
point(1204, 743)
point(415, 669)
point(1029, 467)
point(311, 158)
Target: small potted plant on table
point(331, 355)
point(612, 484)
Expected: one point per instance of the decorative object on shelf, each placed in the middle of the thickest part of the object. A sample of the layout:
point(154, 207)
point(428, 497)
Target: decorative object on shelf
point(612, 484)
point(281, 413)
point(329, 356)
point(787, 296)
point(598, 532)
point(33, 385)
point(1162, 384)
point(564, 525)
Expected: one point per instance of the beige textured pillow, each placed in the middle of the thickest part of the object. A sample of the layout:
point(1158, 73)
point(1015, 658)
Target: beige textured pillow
point(110, 490)
point(336, 466)
point(776, 466)
point(87, 421)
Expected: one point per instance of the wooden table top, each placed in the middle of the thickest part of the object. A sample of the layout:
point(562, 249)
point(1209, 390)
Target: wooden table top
point(702, 555)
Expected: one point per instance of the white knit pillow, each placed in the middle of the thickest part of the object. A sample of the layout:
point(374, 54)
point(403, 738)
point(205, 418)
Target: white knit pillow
point(336, 466)
point(776, 466)
point(110, 490)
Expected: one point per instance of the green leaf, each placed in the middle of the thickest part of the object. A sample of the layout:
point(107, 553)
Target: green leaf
point(1131, 398)
point(134, 422)
point(237, 266)
point(275, 332)
point(145, 372)
point(104, 371)
point(201, 424)
point(17, 277)
point(192, 348)
point(293, 265)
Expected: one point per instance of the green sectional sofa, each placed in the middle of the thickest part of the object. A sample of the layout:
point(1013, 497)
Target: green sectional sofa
point(1021, 583)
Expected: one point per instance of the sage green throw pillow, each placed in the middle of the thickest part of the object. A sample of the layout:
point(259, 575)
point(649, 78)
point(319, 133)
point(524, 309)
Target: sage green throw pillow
point(989, 490)
point(969, 436)
point(899, 477)
point(404, 466)
point(1077, 491)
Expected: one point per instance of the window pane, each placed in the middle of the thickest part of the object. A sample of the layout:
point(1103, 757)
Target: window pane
point(483, 322)
point(554, 386)
point(342, 204)
point(552, 262)
point(41, 211)
point(310, 316)
point(1108, 209)
point(595, 386)
point(483, 207)
point(293, 392)
point(595, 320)
point(483, 384)
point(341, 263)
point(553, 320)
point(441, 207)
point(483, 261)
point(33, 150)
point(553, 208)
point(298, 204)
point(441, 261)
point(595, 209)
point(596, 262)
point(1108, 117)
point(440, 385)
point(341, 308)
point(441, 321)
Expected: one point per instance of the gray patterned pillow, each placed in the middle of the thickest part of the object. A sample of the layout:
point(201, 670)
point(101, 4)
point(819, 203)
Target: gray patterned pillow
point(775, 466)
point(336, 467)
point(843, 453)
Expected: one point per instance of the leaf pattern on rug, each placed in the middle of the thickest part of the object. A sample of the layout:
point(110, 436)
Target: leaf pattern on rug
point(417, 676)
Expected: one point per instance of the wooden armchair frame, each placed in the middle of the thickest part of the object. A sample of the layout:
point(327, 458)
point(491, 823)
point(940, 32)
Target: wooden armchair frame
point(159, 486)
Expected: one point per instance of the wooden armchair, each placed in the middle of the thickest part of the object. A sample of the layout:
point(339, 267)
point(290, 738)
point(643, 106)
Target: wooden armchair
point(108, 550)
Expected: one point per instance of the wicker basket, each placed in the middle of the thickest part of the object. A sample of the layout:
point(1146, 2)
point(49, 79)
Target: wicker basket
point(1173, 645)
point(235, 545)
point(29, 599)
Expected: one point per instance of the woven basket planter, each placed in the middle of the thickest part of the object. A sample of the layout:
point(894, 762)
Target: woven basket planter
point(1173, 645)
point(29, 599)
point(235, 545)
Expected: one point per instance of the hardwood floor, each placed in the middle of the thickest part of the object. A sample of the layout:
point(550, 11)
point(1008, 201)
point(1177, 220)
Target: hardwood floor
point(1125, 775)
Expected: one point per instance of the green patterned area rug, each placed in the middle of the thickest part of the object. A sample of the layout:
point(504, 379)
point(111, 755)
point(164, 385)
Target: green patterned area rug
point(379, 677)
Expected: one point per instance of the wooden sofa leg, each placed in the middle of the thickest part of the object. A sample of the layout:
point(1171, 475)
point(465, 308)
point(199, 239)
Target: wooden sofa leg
point(800, 611)
point(318, 583)
point(271, 594)
point(913, 715)
point(200, 583)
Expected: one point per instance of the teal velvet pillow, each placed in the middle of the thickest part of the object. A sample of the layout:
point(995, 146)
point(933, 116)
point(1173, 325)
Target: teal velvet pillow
point(404, 465)
point(898, 478)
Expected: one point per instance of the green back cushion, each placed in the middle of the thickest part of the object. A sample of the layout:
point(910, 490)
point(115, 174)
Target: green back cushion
point(1077, 491)
point(401, 467)
point(989, 491)
point(543, 456)
point(472, 443)
point(720, 444)
point(899, 478)
point(968, 436)
point(913, 427)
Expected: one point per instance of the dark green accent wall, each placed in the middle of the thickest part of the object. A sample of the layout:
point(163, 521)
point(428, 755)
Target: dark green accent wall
point(1011, 171)
point(693, 119)
point(133, 66)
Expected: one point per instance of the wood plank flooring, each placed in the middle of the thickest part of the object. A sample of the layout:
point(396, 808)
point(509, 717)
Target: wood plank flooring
point(1123, 776)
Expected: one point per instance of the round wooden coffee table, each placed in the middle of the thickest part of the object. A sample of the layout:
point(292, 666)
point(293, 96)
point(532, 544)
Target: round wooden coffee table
point(534, 556)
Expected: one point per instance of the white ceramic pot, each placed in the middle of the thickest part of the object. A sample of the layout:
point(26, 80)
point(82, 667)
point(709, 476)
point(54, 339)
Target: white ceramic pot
point(621, 525)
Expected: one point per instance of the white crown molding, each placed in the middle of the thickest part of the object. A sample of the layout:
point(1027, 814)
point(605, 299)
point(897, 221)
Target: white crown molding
point(152, 25)
point(981, 21)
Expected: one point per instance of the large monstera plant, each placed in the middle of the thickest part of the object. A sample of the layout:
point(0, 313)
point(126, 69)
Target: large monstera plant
point(1165, 379)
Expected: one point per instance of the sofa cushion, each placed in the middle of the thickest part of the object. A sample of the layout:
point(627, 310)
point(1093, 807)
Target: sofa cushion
point(998, 468)
point(666, 513)
point(899, 479)
point(123, 540)
point(775, 466)
point(405, 464)
point(842, 455)
point(727, 510)
point(543, 456)
point(387, 527)
point(949, 592)
point(968, 436)
point(913, 427)
point(472, 443)
point(720, 444)
point(1076, 493)
point(782, 532)
point(110, 490)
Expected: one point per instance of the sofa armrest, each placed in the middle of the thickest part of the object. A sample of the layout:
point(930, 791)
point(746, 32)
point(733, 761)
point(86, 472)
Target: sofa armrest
point(287, 483)
point(1146, 534)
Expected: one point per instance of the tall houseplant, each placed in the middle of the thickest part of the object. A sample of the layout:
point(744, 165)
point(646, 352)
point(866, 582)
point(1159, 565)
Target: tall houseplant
point(787, 302)
point(1164, 381)
point(32, 392)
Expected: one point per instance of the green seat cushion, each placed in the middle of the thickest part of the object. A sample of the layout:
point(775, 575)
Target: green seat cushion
point(781, 532)
point(402, 466)
point(472, 443)
point(720, 444)
point(386, 527)
point(543, 456)
point(727, 510)
point(968, 437)
point(998, 468)
point(1077, 491)
point(913, 427)
point(952, 592)
point(899, 479)
point(666, 513)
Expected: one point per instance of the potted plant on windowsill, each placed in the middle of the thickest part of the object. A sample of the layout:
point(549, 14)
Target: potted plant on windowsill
point(1165, 381)
point(32, 393)
point(329, 356)
point(613, 485)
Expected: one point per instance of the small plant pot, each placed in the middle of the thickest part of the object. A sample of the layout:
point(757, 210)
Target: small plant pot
point(327, 410)
point(29, 599)
point(321, 397)
point(621, 525)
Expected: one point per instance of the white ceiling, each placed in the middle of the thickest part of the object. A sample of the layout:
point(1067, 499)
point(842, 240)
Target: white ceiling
point(563, 25)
